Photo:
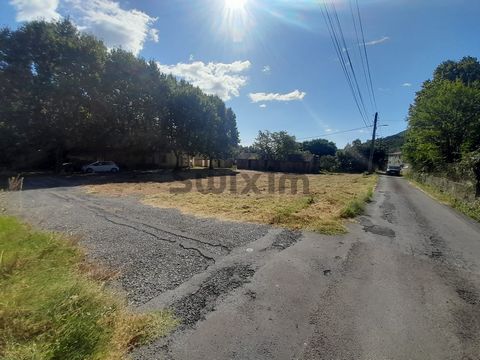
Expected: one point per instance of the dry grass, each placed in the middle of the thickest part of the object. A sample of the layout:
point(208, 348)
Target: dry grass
point(320, 208)
point(15, 183)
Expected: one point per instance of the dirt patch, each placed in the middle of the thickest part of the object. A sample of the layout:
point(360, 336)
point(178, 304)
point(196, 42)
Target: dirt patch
point(194, 307)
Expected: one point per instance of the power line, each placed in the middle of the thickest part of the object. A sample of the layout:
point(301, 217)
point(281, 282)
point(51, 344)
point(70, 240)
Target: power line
point(350, 63)
point(335, 133)
point(338, 49)
point(360, 53)
point(366, 54)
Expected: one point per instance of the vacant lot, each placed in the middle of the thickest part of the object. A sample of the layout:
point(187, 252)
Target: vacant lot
point(312, 202)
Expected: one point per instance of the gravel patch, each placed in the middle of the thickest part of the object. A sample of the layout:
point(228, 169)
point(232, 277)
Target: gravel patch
point(154, 249)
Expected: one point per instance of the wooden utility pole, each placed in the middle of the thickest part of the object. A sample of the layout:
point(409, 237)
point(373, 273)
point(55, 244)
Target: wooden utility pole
point(372, 145)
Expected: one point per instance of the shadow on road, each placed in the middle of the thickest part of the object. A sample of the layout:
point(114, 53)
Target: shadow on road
point(50, 180)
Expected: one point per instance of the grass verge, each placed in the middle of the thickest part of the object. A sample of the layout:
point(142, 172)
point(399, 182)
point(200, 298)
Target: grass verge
point(357, 206)
point(471, 209)
point(52, 307)
point(318, 204)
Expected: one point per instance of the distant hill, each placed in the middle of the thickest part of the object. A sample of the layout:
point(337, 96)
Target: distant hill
point(393, 143)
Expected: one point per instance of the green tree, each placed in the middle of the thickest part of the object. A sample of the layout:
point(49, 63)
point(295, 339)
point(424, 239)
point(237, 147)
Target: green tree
point(63, 93)
point(443, 124)
point(467, 70)
point(320, 147)
point(275, 145)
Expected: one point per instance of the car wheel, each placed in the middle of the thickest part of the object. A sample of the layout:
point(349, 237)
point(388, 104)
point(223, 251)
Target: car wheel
point(89, 170)
point(114, 170)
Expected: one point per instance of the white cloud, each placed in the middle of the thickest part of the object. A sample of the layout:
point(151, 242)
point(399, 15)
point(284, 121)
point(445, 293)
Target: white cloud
point(153, 35)
point(263, 106)
point(406, 84)
point(28, 10)
point(266, 69)
point(223, 80)
point(294, 95)
point(117, 27)
point(378, 41)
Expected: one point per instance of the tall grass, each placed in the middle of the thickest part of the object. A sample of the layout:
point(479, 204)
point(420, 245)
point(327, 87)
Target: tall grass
point(51, 309)
point(356, 206)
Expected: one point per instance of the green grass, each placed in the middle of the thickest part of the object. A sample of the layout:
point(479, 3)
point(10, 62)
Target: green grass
point(51, 307)
point(356, 206)
point(471, 209)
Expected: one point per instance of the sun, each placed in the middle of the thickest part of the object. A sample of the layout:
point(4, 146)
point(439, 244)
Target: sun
point(235, 4)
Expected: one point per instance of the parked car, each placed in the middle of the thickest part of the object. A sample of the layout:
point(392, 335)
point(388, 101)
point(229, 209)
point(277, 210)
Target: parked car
point(101, 166)
point(394, 170)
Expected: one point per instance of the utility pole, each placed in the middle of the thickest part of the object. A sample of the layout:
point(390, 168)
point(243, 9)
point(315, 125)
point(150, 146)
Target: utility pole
point(372, 145)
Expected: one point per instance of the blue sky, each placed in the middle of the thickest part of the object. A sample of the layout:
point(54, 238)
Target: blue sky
point(273, 61)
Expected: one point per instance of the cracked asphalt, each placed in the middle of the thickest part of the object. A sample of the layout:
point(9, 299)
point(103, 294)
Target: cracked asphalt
point(404, 283)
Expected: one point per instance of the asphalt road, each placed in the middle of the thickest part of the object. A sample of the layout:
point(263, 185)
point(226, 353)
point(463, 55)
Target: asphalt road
point(404, 283)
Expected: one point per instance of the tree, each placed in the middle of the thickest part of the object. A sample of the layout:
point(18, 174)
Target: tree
point(467, 70)
point(329, 163)
point(354, 157)
point(50, 72)
point(64, 93)
point(320, 147)
point(443, 124)
point(276, 145)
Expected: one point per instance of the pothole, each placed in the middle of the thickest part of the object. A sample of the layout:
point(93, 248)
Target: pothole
point(195, 306)
point(285, 239)
point(468, 296)
point(369, 226)
point(379, 230)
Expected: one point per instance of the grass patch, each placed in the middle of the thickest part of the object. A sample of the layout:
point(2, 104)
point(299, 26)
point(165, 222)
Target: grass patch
point(471, 209)
point(317, 204)
point(52, 308)
point(357, 206)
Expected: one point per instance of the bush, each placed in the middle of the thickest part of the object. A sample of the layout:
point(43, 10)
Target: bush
point(329, 163)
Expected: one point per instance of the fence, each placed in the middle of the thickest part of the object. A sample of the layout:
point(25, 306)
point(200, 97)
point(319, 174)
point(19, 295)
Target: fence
point(301, 167)
point(464, 191)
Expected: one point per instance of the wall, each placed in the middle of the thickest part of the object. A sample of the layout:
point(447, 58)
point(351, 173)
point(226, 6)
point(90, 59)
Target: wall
point(464, 191)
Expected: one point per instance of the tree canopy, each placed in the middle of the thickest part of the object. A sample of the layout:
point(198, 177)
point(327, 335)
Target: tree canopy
point(63, 91)
point(320, 147)
point(275, 145)
point(444, 120)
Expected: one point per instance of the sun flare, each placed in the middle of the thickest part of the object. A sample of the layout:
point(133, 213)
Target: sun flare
point(235, 4)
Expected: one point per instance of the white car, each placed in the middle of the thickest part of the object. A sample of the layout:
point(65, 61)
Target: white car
point(101, 166)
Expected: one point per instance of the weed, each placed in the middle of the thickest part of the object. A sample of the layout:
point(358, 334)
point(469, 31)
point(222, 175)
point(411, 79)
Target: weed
point(354, 208)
